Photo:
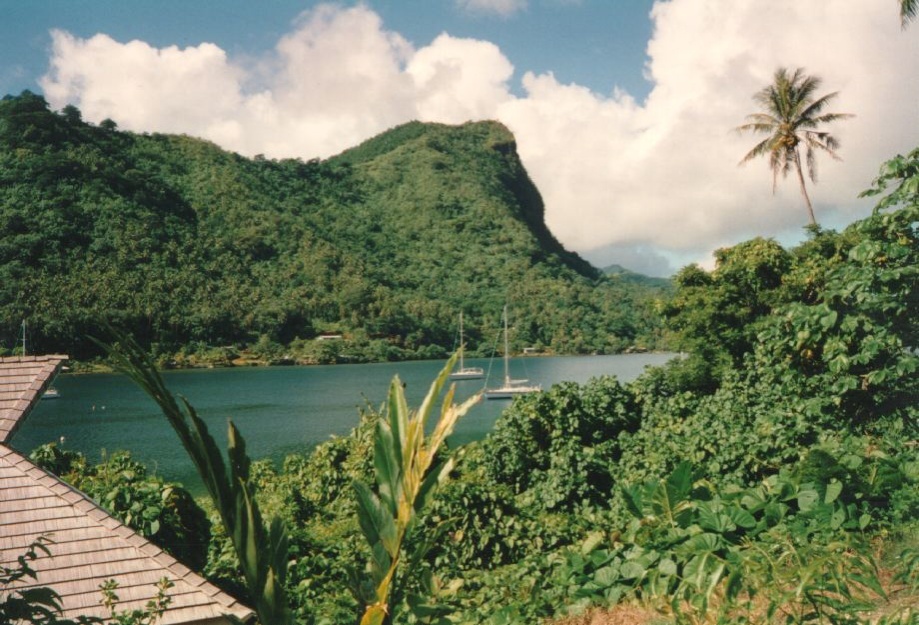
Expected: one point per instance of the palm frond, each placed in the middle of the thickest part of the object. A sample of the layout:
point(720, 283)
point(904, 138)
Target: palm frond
point(759, 123)
point(262, 551)
point(909, 9)
point(814, 107)
point(791, 114)
point(804, 86)
point(832, 117)
point(761, 148)
point(811, 161)
point(830, 145)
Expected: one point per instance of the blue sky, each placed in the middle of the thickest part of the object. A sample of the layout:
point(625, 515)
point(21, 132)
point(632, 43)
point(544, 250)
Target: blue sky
point(623, 110)
point(596, 43)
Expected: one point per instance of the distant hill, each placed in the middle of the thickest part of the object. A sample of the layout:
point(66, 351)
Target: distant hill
point(195, 249)
point(625, 275)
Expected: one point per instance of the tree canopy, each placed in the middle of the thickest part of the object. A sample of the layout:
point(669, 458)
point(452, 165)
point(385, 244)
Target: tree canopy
point(198, 251)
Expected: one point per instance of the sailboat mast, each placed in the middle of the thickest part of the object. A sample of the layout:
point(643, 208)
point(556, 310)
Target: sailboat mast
point(461, 346)
point(507, 374)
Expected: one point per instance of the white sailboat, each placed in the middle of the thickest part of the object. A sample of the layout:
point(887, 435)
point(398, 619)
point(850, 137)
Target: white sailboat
point(510, 388)
point(464, 372)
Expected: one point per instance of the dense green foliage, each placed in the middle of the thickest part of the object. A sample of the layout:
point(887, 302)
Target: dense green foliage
point(754, 496)
point(714, 314)
point(763, 478)
point(562, 446)
point(202, 254)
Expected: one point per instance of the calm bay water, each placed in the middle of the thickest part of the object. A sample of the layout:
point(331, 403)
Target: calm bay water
point(279, 410)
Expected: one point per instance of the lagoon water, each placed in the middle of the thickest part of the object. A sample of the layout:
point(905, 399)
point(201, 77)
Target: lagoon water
point(278, 410)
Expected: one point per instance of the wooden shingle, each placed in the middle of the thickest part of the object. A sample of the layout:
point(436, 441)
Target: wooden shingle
point(88, 546)
point(22, 381)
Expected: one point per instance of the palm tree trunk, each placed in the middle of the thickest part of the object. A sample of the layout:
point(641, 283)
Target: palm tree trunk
point(807, 200)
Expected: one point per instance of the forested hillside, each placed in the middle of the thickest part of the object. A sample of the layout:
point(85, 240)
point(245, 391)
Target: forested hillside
point(627, 275)
point(201, 253)
point(772, 476)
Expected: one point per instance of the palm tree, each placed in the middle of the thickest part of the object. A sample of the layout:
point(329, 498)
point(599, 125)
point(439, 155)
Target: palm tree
point(908, 10)
point(790, 116)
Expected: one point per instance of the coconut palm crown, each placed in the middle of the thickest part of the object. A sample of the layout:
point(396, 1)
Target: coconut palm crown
point(791, 116)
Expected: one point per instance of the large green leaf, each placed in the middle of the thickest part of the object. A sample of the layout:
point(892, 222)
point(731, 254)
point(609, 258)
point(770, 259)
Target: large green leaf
point(669, 499)
point(397, 414)
point(714, 520)
point(703, 571)
point(386, 461)
point(632, 494)
point(436, 476)
point(378, 526)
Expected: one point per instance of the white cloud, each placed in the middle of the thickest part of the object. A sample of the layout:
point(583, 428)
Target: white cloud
point(335, 80)
point(658, 176)
point(665, 174)
point(504, 8)
point(143, 87)
point(459, 79)
point(339, 79)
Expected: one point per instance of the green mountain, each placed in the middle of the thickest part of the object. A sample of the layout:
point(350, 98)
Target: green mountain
point(193, 248)
point(627, 275)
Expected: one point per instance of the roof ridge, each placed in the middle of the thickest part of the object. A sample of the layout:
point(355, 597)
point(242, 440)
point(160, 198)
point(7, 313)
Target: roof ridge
point(19, 397)
point(34, 357)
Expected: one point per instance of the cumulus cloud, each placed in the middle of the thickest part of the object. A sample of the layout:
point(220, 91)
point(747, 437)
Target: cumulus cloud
point(145, 87)
point(664, 173)
point(622, 180)
point(335, 80)
point(457, 80)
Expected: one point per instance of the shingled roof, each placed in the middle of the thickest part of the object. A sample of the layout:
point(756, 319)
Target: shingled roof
point(22, 382)
point(88, 546)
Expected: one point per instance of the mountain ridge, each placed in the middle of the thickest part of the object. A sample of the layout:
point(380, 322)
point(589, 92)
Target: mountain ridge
point(189, 246)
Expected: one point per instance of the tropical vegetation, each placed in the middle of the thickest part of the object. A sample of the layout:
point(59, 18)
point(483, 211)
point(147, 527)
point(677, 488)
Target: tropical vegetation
point(207, 257)
point(791, 115)
point(770, 476)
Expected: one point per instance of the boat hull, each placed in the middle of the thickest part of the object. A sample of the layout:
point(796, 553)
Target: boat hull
point(509, 392)
point(468, 374)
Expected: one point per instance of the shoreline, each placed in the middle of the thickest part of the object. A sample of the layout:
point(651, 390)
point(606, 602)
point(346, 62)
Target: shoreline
point(76, 367)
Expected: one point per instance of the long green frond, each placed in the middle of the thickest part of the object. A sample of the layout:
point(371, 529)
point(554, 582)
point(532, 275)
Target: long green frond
point(262, 555)
point(760, 149)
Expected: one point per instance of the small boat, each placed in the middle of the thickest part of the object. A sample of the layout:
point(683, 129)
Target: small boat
point(510, 388)
point(463, 372)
